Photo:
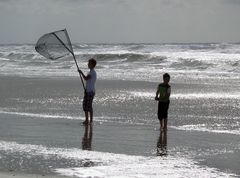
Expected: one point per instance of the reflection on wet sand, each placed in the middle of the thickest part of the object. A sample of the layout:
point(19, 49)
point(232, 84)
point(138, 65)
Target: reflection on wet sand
point(162, 144)
point(87, 138)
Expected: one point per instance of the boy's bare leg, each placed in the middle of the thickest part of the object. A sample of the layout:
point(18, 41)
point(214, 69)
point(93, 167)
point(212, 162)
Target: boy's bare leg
point(161, 124)
point(86, 118)
point(165, 124)
point(91, 116)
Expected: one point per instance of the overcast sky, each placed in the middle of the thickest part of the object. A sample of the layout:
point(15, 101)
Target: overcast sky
point(121, 21)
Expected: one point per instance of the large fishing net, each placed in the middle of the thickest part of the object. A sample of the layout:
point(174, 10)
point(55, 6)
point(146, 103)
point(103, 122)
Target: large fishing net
point(54, 45)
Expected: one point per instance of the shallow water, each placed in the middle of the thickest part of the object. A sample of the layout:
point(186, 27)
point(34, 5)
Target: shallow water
point(41, 112)
point(41, 130)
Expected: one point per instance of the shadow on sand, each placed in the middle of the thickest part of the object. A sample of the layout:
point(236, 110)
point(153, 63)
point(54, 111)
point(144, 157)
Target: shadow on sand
point(162, 144)
point(87, 137)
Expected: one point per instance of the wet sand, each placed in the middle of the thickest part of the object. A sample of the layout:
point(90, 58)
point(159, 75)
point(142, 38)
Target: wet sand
point(55, 122)
point(21, 175)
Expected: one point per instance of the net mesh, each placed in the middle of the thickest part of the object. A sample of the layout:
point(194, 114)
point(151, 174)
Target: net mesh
point(54, 45)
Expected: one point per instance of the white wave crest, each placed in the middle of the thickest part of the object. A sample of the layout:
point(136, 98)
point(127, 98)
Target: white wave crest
point(204, 128)
point(118, 165)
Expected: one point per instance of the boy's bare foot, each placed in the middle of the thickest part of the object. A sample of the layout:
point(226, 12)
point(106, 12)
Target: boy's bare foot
point(85, 122)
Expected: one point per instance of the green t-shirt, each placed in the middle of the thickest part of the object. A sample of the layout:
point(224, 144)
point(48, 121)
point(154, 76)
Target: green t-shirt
point(164, 92)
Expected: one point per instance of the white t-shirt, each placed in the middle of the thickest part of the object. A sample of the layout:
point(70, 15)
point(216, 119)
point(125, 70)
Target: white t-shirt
point(90, 85)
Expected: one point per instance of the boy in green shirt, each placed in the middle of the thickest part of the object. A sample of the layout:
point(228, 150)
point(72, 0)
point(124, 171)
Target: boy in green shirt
point(162, 96)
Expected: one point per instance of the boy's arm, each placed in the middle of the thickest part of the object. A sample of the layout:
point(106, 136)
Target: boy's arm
point(84, 76)
point(157, 93)
point(169, 92)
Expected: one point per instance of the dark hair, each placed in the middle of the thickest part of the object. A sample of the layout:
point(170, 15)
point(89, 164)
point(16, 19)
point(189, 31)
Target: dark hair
point(166, 75)
point(93, 61)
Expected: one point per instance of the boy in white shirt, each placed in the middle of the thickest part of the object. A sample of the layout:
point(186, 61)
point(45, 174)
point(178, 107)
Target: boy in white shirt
point(89, 94)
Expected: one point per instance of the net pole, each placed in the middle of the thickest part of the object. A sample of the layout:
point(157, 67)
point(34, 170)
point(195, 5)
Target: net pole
point(79, 73)
point(73, 58)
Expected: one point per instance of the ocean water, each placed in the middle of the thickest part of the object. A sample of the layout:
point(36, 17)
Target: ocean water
point(213, 70)
point(129, 61)
point(204, 110)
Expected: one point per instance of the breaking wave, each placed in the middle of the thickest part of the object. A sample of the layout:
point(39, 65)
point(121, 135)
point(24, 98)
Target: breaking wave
point(220, 59)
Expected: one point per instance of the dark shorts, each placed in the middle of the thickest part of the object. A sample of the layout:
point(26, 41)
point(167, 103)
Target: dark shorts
point(163, 110)
point(87, 101)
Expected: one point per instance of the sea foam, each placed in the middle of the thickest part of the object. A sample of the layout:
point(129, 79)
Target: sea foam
point(109, 165)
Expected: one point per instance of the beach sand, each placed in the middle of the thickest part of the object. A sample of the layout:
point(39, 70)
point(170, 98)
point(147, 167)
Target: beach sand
point(21, 175)
point(41, 123)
